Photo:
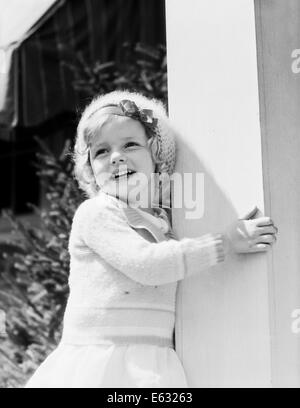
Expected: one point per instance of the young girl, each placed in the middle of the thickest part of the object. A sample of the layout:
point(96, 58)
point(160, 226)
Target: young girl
point(125, 260)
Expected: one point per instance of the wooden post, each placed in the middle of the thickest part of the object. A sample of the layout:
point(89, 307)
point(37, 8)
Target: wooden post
point(239, 127)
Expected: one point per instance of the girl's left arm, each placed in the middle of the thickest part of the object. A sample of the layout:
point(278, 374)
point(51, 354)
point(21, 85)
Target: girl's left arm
point(104, 229)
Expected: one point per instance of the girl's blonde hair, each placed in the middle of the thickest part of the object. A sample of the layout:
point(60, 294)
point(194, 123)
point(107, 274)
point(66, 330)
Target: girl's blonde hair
point(161, 142)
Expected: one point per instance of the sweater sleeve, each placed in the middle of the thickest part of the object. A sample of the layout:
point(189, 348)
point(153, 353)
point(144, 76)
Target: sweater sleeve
point(104, 229)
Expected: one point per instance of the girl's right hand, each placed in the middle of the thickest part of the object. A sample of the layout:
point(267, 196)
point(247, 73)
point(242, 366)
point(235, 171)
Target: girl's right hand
point(251, 234)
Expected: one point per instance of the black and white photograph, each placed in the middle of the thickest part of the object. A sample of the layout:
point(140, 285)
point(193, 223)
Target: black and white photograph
point(150, 196)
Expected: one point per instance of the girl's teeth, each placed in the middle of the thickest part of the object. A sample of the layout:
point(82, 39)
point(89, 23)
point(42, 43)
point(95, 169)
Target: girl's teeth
point(123, 173)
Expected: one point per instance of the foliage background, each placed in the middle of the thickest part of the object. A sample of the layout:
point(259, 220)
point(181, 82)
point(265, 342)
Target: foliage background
point(35, 266)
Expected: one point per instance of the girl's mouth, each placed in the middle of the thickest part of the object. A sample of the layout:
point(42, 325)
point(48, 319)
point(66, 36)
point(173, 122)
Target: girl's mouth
point(123, 174)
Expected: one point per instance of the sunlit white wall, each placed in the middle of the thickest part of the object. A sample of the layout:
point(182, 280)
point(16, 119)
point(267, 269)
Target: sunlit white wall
point(223, 332)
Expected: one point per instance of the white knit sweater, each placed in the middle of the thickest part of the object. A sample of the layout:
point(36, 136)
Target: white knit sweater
point(124, 272)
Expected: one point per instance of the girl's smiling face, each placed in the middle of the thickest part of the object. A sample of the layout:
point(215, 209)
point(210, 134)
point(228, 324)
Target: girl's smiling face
point(121, 145)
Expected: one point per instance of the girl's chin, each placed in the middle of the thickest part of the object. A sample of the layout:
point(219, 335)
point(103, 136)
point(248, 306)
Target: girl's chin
point(129, 194)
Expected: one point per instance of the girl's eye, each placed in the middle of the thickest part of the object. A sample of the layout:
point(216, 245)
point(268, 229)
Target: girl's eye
point(129, 144)
point(101, 151)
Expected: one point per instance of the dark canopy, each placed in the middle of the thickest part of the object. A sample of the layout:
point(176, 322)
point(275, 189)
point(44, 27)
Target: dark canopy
point(35, 84)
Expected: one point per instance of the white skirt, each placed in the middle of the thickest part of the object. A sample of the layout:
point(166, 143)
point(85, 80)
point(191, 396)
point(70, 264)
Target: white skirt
point(110, 366)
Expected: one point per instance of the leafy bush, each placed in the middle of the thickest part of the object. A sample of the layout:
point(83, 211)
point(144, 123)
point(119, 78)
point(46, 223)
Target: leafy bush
point(141, 68)
point(34, 282)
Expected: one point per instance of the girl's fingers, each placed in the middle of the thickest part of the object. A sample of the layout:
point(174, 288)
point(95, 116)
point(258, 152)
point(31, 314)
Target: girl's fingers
point(264, 221)
point(250, 214)
point(265, 239)
point(260, 247)
point(268, 230)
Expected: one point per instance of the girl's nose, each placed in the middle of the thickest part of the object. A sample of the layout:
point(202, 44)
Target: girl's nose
point(117, 158)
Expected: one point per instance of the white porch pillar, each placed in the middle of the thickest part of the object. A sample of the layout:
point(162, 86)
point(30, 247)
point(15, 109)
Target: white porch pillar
point(234, 323)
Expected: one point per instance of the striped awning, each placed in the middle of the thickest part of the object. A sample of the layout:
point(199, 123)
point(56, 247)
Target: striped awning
point(19, 20)
point(38, 38)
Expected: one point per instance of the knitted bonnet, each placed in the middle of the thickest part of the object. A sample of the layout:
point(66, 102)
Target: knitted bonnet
point(151, 114)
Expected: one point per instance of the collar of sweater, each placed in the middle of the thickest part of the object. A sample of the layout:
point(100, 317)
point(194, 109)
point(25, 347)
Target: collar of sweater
point(138, 218)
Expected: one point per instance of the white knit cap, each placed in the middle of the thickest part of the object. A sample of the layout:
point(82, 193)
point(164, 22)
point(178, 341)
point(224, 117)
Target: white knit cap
point(157, 121)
